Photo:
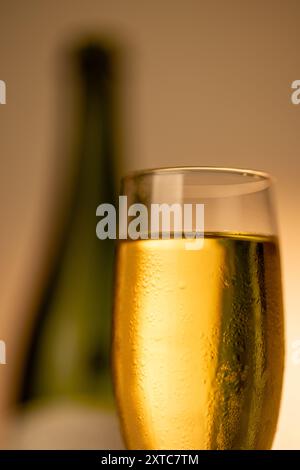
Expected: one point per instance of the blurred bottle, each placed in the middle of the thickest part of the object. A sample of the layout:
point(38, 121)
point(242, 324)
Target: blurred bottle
point(67, 377)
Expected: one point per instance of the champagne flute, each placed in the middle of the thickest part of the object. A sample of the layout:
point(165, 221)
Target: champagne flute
point(198, 334)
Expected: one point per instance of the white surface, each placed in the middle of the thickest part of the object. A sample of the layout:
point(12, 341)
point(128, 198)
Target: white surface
point(65, 426)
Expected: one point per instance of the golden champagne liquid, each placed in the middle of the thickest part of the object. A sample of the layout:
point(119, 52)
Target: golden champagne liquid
point(198, 343)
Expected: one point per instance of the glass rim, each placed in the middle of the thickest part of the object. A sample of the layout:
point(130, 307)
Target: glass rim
point(243, 172)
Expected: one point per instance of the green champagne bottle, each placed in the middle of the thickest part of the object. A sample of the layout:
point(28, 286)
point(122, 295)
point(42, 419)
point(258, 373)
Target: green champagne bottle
point(70, 349)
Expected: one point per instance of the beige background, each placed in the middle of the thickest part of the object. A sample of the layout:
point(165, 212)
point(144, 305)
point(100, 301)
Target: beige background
point(207, 83)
